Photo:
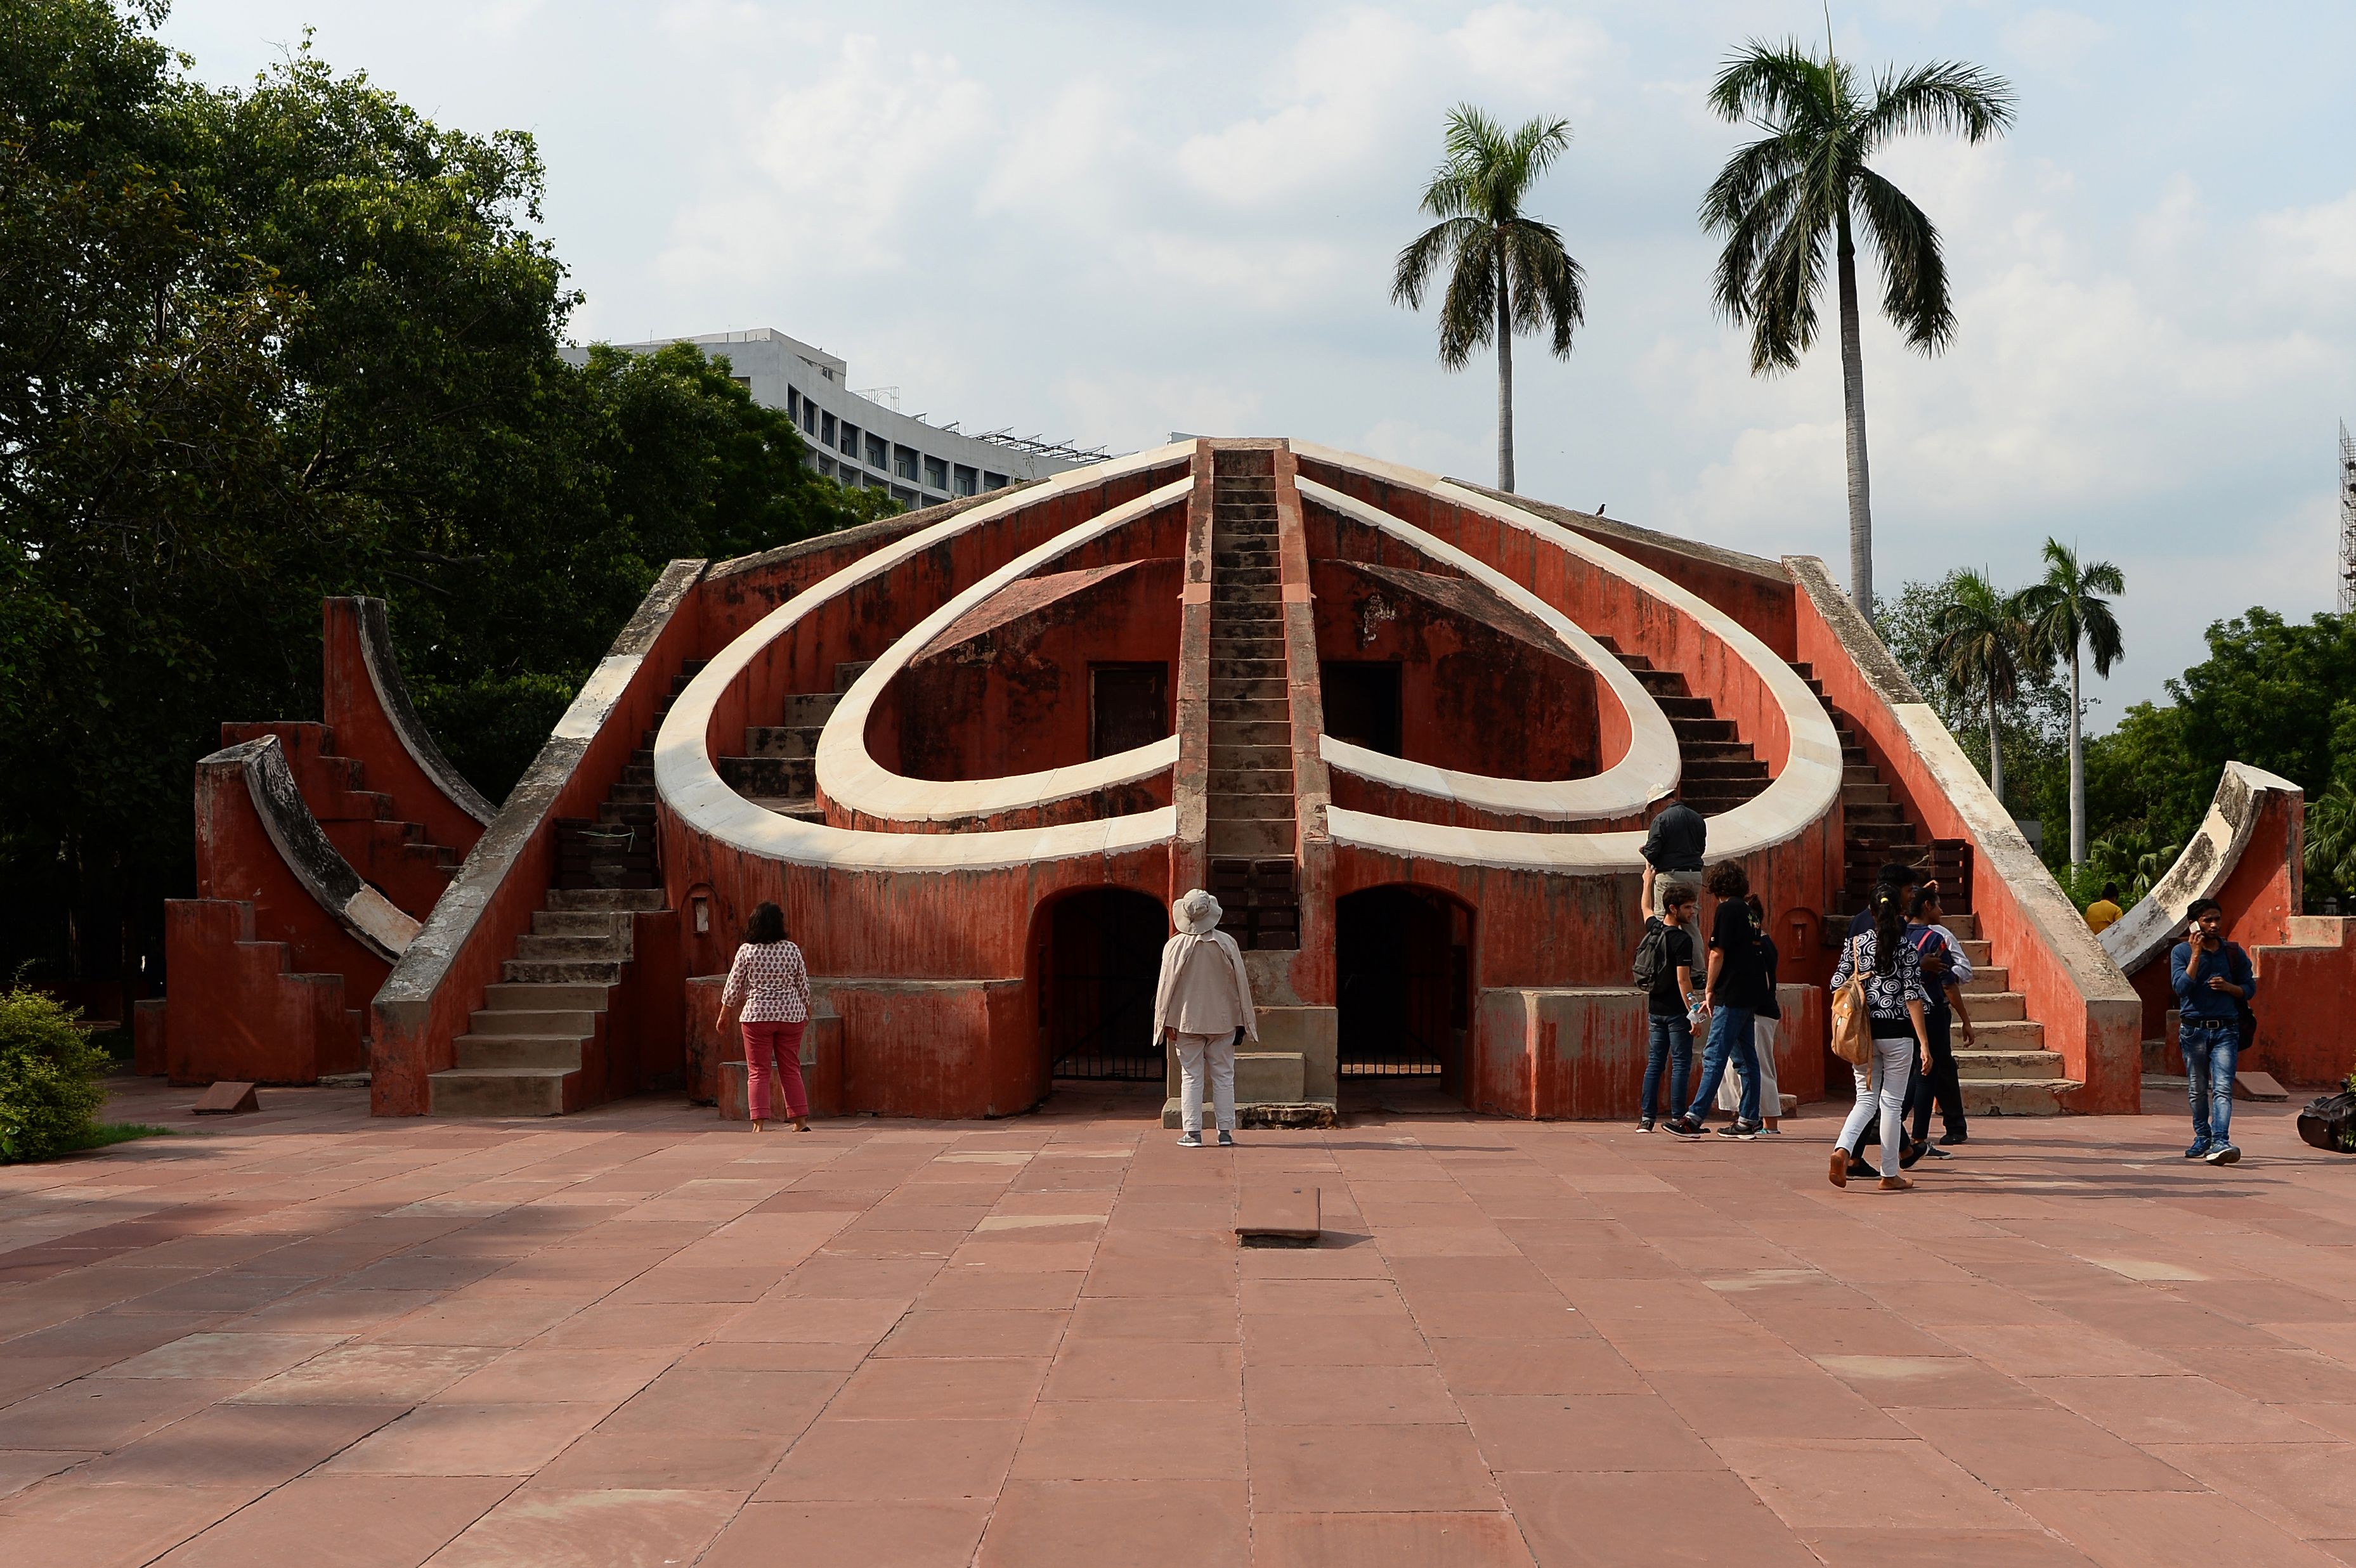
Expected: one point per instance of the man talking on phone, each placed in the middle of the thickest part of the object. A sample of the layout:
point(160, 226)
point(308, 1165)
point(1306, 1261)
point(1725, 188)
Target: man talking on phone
point(2212, 979)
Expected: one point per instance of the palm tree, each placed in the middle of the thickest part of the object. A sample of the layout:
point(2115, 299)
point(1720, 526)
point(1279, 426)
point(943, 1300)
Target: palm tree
point(1507, 273)
point(1803, 187)
point(2064, 617)
point(1982, 644)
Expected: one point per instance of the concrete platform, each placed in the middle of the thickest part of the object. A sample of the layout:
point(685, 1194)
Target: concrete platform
point(642, 1335)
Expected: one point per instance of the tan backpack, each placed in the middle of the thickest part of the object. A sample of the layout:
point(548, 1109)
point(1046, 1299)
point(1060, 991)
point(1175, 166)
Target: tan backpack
point(1852, 1018)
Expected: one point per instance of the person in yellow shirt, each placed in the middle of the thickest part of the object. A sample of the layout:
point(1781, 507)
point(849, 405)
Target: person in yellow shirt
point(2104, 911)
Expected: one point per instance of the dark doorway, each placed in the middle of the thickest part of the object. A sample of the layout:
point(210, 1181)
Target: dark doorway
point(1129, 706)
point(1098, 968)
point(1403, 964)
point(1362, 703)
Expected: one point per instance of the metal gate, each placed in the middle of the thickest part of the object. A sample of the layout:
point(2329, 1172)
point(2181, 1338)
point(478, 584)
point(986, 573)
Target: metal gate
point(1101, 963)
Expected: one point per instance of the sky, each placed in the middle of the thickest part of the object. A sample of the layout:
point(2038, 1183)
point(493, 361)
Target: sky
point(1104, 223)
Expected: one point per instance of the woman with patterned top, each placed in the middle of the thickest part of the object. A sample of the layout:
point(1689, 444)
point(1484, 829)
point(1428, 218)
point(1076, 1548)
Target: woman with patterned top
point(1895, 998)
point(770, 980)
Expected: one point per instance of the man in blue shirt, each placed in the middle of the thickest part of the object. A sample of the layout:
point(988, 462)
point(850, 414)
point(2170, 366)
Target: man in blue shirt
point(2212, 979)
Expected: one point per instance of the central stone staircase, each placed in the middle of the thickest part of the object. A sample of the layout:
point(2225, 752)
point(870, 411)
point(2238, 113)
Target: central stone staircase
point(1249, 798)
point(1718, 770)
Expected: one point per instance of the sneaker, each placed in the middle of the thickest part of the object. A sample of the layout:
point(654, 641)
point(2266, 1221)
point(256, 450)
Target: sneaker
point(2222, 1154)
point(1951, 1139)
point(1741, 1129)
point(1646, 1125)
point(1190, 1140)
point(1910, 1154)
point(2199, 1150)
point(1859, 1166)
point(1227, 1139)
point(1935, 1152)
point(1682, 1127)
point(1767, 1132)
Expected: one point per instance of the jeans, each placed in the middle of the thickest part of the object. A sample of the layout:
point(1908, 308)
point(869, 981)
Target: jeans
point(1729, 1030)
point(1942, 1083)
point(1668, 1042)
point(786, 1040)
point(1881, 1086)
point(1195, 1051)
point(2211, 1049)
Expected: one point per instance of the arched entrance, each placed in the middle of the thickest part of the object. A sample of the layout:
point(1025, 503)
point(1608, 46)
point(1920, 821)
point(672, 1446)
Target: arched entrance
point(1402, 959)
point(1100, 954)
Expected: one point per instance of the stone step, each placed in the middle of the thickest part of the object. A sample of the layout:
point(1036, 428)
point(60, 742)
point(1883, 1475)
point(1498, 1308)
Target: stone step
point(574, 1023)
point(807, 709)
point(769, 775)
point(635, 814)
point(801, 808)
point(1860, 812)
point(1856, 795)
point(562, 971)
point(1234, 836)
point(1247, 669)
point(562, 1052)
point(1977, 951)
point(1987, 978)
point(1860, 777)
point(1995, 1006)
point(1706, 770)
point(1964, 924)
point(846, 673)
point(781, 740)
point(644, 898)
point(1250, 781)
point(644, 792)
point(578, 923)
point(1259, 807)
point(497, 1092)
point(1244, 577)
point(1245, 552)
point(2008, 1034)
point(608, 945)
point(2016, 1096)
point(2008, 1064)
point(509, 996)
point(1249, 710)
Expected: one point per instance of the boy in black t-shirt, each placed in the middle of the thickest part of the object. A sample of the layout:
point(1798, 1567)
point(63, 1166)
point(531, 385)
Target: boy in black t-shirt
point(1669, 1003)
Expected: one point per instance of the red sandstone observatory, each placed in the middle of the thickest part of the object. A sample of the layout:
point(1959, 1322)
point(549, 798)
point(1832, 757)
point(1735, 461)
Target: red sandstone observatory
point(1408, 730)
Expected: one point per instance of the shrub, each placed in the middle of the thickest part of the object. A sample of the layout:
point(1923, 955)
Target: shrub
point(49, 1074)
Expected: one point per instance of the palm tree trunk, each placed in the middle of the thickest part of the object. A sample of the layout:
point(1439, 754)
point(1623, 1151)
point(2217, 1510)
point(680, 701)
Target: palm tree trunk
point(2077, 767)
point(1995, 753)
point(1861, 503)
point(1505, 378)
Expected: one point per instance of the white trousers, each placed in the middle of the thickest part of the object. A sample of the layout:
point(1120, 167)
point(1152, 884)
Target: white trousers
point(1881, 1085)
point(1194, 1051)
point(1771, 1099)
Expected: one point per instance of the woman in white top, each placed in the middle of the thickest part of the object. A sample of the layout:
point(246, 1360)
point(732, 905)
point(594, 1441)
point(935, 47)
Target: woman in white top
point(772, 983)
point(1203, 998)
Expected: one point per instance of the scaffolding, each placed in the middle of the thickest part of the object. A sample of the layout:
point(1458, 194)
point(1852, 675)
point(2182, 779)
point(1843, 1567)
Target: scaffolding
point(1036, 446)
point(2347, 521)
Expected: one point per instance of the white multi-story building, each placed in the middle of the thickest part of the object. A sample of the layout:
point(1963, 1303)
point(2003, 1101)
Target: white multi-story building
point(861, 441)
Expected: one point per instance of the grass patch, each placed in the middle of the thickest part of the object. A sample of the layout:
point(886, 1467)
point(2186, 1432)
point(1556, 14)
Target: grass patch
point(108, 1133)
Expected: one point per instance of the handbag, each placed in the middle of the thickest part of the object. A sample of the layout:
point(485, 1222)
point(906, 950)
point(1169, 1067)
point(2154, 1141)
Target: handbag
point(1852, 1019)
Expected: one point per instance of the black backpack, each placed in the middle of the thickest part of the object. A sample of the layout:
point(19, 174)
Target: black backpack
point(2329, 1123)
point(1652, 965)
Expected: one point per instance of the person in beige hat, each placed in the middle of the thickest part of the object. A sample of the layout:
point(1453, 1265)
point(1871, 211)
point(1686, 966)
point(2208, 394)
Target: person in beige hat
point(1203, 998)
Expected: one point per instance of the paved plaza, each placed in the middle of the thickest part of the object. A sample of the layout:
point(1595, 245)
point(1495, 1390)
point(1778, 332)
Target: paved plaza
point(643, 1337)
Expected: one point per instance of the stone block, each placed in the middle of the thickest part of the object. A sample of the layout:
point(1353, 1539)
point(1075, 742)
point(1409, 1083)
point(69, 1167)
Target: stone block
point(228, 1097)
point(2258, 1087)
point(1284, 1214)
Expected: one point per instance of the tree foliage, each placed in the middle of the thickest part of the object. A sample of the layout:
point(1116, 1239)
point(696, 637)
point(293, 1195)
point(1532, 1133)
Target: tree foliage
point(258, 345)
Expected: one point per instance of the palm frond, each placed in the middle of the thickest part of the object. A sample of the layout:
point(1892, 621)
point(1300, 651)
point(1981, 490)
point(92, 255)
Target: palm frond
point(1946, 95)
point(1424, 256)
point(1549, 288)
point(1913, 273)
point(1468, 311)
point(1781, 84)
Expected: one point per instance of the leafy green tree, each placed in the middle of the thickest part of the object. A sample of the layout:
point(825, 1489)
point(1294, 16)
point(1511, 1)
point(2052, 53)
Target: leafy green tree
point(2031, 740)
point(1506, 271)
point(262, 344)
point(1982, 643)
point(2069, 618)
point(1806, 188)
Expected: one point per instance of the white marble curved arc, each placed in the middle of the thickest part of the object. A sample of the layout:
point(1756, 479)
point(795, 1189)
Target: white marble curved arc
point(1646, 773)
point(691, 785)
point(2151, 927)
point(1806, 790)
point(849, 776)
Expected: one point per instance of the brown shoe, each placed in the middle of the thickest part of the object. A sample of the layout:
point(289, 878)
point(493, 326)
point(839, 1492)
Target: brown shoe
point(1897, 1184)
point(1839, 1169)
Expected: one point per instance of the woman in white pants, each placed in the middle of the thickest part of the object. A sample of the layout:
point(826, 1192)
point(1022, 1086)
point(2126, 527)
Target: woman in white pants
point(1894, 1000)
point(1203, 998)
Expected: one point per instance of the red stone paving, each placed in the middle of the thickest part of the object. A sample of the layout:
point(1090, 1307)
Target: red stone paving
point(643, 1337)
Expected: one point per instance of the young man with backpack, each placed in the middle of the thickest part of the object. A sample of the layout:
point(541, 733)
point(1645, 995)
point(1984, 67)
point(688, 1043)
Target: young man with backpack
point(2213, 984)
point(1946, 970)
point(1731, 992)
point(1664, 972)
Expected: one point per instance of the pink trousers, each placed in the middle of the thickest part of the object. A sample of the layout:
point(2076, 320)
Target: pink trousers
point(785, 1042)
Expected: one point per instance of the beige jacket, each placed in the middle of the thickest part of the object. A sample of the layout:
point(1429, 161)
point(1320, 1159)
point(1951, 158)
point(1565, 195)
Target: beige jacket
point(1203, 988)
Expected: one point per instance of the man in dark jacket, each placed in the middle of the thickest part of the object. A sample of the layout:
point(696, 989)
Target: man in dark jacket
point(2212, 979)
point(1673, 849)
